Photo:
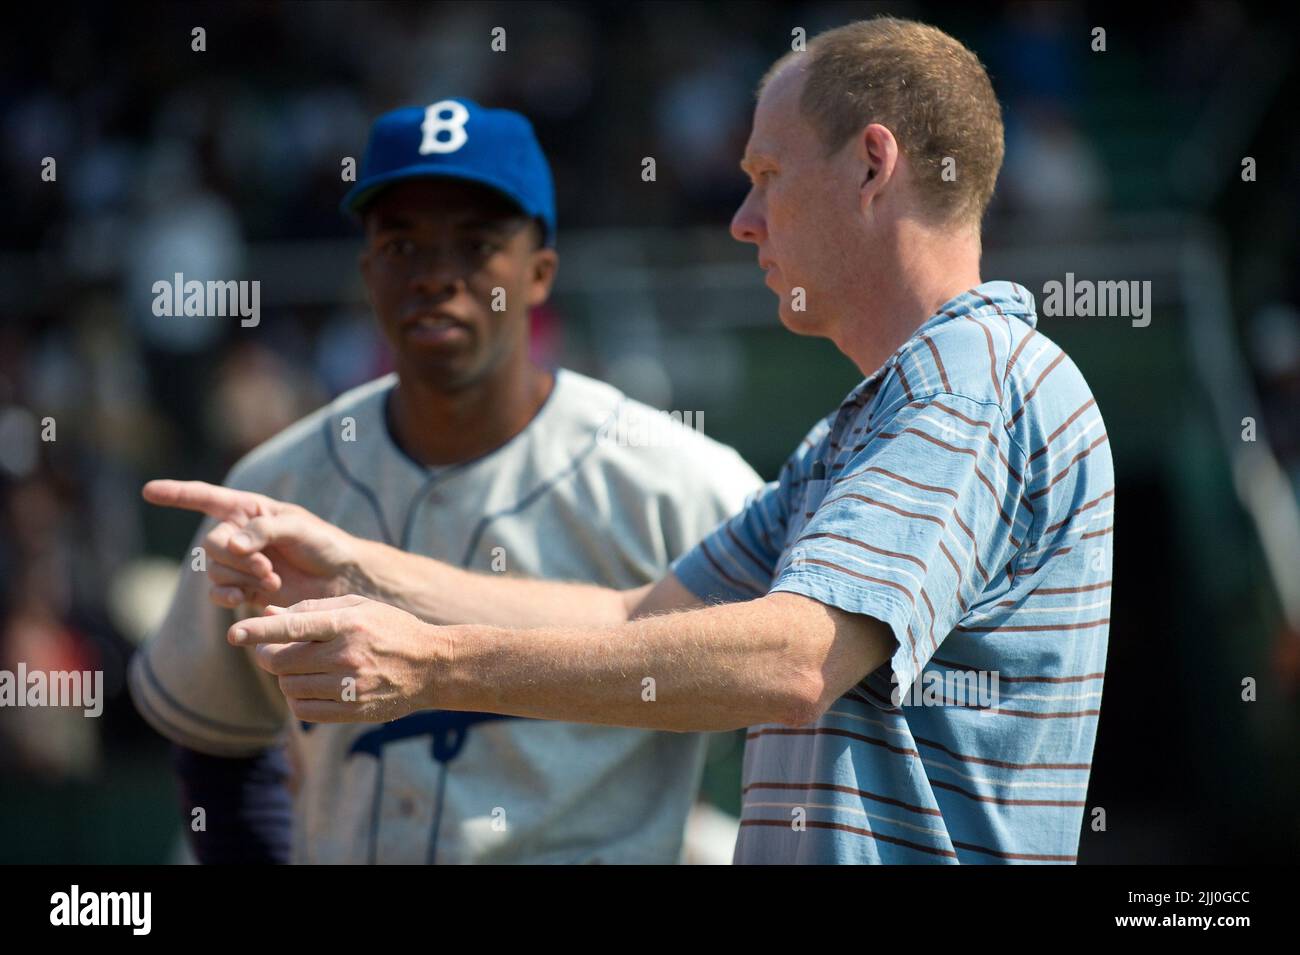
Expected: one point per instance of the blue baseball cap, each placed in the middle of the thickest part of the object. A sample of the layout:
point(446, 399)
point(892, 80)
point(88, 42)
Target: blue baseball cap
point(458, 139)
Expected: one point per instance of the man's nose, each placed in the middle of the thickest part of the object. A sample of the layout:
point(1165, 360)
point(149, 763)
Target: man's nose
point(747, 224)
point(438, 270)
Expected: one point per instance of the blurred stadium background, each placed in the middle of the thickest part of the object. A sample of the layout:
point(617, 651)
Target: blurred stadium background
point(1120, 165)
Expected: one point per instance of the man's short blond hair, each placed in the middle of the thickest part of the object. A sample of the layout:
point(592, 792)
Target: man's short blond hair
point(926, 88)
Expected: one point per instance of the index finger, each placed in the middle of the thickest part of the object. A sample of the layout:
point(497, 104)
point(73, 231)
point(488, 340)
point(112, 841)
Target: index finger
point(222, 503)
point(310, 626)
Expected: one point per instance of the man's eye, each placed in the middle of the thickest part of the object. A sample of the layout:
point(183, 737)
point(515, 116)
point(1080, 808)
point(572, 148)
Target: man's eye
point(399, 247)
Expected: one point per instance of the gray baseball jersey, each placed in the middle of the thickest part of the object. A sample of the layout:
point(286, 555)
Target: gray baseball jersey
point(595, 489)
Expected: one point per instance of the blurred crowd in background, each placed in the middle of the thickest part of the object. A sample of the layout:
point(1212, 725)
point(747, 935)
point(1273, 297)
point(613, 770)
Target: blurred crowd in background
point(172, 160)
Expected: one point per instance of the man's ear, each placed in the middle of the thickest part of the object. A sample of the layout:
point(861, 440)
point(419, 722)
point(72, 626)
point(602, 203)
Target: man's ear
point(877, 153)
point(541, 276)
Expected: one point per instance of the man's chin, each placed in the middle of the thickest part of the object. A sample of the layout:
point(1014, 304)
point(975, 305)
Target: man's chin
point(438, 371)
point(799, 322)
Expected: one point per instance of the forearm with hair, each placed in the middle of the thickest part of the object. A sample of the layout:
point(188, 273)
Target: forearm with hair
point(718, 668)
point(440, 593)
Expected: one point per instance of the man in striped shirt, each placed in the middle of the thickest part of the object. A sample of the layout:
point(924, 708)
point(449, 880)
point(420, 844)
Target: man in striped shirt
point(961, 495)
point(912, 620)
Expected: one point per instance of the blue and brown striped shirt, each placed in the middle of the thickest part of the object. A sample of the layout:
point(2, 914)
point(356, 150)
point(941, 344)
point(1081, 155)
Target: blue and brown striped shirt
point(963, 495)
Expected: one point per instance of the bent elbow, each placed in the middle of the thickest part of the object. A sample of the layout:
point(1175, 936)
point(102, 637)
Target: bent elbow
point(804, 701)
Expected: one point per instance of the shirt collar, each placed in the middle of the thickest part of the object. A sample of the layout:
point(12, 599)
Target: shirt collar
point(995, 297)
point(999, 298)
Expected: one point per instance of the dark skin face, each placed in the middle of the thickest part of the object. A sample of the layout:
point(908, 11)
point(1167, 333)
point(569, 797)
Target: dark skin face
point(439, 255)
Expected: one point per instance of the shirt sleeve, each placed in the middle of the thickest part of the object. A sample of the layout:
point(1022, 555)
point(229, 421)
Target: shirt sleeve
point(246, 803)
point(195, 688)
point(917, 522)
point(738, 559)
point(721, 494)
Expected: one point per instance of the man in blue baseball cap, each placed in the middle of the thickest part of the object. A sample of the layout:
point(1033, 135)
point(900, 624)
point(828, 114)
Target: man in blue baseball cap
point(455, 194)
point(470, 453)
